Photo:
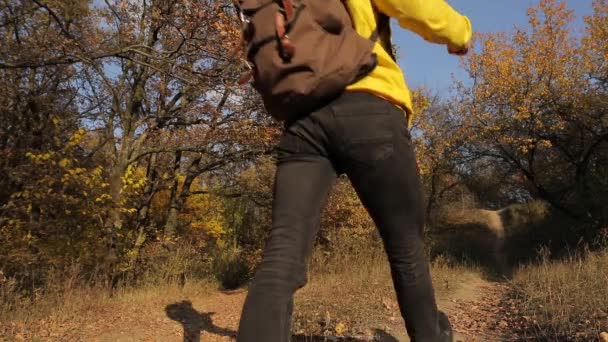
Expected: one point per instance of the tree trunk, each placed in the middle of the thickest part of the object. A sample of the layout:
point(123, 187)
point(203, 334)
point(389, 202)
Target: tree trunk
point(143, 219)
point(178, 201)
point(171, 223)
point(431, 199)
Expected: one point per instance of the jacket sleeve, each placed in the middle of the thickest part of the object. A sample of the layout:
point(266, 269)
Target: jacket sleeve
point(434, 20)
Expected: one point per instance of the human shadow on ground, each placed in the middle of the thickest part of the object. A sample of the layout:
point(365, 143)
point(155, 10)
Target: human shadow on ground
point(194, 322)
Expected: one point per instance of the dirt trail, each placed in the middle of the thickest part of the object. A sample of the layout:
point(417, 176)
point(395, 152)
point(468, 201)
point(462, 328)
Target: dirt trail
point(479, 310)
point(211, 318)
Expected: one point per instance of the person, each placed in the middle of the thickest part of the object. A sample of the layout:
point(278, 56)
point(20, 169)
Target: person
point(364, 134)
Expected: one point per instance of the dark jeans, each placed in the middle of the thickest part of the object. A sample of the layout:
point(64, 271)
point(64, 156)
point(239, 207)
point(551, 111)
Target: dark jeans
point(365, 137)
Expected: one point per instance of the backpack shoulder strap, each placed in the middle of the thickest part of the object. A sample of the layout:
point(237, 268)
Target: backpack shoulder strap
point(383, 31)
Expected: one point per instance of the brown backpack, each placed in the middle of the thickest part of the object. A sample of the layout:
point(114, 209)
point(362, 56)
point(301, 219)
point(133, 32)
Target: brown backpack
point(302, 53)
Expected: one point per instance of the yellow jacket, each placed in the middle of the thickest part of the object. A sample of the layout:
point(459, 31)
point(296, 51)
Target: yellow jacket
point(433, 20)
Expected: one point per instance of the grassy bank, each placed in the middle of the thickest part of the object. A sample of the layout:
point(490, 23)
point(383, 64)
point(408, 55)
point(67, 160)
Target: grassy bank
point(565, 300)
point(357, 296)
point(75, 313)
point(350, 296)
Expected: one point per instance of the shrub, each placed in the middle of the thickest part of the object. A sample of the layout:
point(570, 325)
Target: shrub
point(230, 268)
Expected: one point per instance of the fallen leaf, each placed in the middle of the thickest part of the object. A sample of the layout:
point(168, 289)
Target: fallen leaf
point(340, 328)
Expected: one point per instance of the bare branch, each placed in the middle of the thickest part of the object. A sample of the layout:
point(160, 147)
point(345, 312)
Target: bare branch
point(55, 17)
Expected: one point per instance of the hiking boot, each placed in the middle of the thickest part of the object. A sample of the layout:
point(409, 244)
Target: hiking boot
point(445, 328)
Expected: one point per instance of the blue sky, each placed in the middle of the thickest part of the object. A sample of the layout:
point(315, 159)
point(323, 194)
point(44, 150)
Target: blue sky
point(430, 65)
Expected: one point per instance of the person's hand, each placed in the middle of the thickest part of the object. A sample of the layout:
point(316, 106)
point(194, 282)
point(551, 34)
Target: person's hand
point(459, 50)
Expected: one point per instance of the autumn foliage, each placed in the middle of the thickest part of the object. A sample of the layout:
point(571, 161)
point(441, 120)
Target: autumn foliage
point(530, 123)
point(121, 128)
point(126, 148)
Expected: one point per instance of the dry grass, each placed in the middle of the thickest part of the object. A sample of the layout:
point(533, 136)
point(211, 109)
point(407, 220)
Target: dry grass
point(566, 300)
point(348, 294)
point(61, 315)
point(357, 298)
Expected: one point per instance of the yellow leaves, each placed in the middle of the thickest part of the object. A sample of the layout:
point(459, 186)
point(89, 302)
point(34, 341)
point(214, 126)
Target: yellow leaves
point(213, 226)
point(61, 190)
point(98, 171)
point(103, 198)
point(437, 135)
point(55, 120)
point(512, 72)
point(205, 213)
point(128, 210)
point(63, 163)
point(523, 83)
point(40, 158)
point(76, 138)
point(74, 175)
point(76, 171)
point(595, 42)
point(340, 329)
point(133, 181)
point(420, 100)
point(18, 194)
point(344, 211)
